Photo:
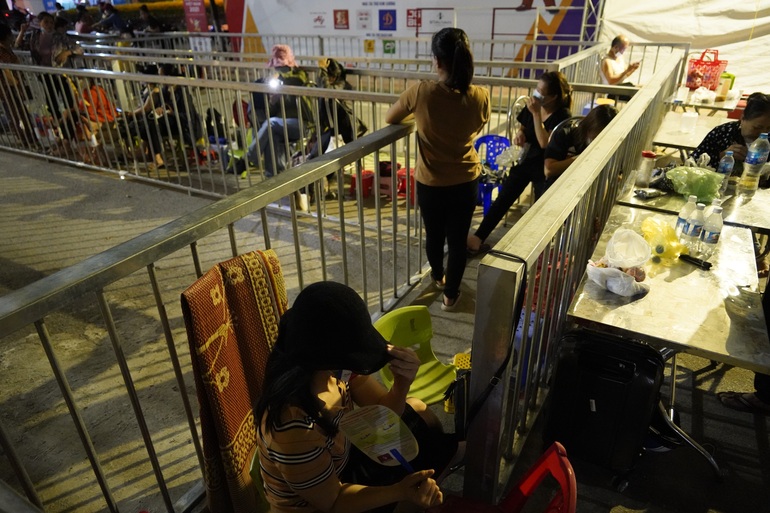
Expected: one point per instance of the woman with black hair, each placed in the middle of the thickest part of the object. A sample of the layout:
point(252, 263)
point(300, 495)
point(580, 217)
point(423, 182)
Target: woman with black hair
point(570, 141)
point(449, 113)
point(737, 136)
point(317, 371)
point(548, 106)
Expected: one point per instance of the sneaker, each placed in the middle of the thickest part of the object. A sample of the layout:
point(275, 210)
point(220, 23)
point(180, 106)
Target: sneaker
point(450, 305)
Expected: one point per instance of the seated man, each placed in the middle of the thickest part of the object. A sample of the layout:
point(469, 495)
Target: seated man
point(288, 74)
point(614, 70)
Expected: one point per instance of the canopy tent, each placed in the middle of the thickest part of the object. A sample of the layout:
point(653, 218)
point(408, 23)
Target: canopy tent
point(740, 32)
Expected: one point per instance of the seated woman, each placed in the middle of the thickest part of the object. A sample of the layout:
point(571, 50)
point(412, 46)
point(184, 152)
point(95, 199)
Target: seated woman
point(318, 370)
point(548, 106)
point(570, 141)
point(737, 136)
point(144, 123)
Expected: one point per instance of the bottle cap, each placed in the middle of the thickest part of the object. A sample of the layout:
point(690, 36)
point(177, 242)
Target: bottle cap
point(717, 210)
point(700, 206)
point(692, 198)
point(648, 154)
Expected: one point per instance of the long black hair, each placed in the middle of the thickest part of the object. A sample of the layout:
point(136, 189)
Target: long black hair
point(452, 49)
point(286, 383)
point(594, 122)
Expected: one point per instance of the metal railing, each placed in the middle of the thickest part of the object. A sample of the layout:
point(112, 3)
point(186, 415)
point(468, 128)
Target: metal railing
point(375, 249)
point(555, 238)
point(380, 239)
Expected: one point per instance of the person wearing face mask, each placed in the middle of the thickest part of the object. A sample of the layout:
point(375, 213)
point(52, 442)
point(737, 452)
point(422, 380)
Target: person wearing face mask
point(737, 136)
point(614, 70)
point(568, 141)
point(548, 106)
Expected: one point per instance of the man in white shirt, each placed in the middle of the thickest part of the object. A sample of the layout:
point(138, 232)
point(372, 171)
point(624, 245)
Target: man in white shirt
point(614, 70)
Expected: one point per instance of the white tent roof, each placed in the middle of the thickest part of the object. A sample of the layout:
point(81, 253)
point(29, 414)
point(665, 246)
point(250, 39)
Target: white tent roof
point(740, 31)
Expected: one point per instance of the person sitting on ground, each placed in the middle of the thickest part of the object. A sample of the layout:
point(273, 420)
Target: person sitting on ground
point(568, 141)
point(614, 70)
point(757, 402)
point(318, 370)
point(288, 73)
point(536, 123)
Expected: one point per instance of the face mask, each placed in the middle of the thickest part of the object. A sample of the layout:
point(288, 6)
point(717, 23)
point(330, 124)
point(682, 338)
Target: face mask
point(536, 94)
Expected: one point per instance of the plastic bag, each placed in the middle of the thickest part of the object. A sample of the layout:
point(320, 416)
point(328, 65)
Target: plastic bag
point(661, 237)
point(702, 182)
point(627, 248)
point(615, 280)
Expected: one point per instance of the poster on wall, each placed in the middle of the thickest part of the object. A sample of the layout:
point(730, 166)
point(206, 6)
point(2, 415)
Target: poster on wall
point(364, 20)
point(319, 20)
point(341, 19)
point(387, 19)
point(368, 45)
point(195, 16)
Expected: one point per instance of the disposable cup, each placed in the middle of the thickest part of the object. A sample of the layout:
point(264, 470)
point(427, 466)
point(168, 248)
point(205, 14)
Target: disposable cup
point(689, 120)
point(681, 93)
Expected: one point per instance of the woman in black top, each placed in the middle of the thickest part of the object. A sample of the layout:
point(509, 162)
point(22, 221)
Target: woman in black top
point(537, 121)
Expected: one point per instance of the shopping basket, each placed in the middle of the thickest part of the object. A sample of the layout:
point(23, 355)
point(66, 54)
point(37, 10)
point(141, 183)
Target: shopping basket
point(705, 71)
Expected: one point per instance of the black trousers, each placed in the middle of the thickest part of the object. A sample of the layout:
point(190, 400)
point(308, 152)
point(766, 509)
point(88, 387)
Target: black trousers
point(529, 171)
point(447, 213)
point(762, 381)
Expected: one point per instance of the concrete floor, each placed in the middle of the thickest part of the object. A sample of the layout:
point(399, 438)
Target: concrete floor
point(41, 200)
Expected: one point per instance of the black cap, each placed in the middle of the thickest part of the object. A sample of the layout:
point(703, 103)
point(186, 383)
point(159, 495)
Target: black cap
point(329, 328)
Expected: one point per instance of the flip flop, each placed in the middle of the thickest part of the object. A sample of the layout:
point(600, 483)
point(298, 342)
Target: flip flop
point(483, 249)
point(745, 402)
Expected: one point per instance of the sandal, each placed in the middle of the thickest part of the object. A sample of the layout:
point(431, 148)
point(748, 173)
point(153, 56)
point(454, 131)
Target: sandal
point(450, 305)
point(483, 249)
point(745, 402)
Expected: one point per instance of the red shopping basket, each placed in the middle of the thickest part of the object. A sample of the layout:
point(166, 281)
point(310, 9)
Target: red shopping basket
point(705, 72)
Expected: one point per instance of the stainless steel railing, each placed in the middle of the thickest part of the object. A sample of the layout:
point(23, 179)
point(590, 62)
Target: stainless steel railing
point(555, 238)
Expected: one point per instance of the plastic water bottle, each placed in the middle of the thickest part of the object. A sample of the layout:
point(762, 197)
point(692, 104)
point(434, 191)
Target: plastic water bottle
point(693, 228)
point(725, 168)
point(681, 221)
point(752, 167)
point(712, 229)
point(716, 202)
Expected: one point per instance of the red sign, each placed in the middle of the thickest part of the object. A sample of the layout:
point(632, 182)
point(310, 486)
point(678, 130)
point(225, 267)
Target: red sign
point(414, 18)
point(341, 19)
point(195, 16)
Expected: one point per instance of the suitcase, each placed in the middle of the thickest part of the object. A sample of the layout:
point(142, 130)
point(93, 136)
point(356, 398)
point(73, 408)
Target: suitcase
point(604, 392)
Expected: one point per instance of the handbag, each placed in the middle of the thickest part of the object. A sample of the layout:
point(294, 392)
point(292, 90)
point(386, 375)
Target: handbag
point(705, 72)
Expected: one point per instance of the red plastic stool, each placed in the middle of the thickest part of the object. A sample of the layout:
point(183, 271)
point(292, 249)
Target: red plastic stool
point(401, 179)
point(367, 179)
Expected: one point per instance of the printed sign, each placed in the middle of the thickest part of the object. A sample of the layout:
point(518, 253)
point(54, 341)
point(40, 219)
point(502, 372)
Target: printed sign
point(364, 20)
point(195, 16)
point(414, 18)
point(388, 46)
point(341, 19)
point(319, 19)
point(368, 45)
point(388, 19)
point(437, 19)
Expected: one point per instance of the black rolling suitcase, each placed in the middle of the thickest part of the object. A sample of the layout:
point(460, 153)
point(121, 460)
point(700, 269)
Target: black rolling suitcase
point(604, 392)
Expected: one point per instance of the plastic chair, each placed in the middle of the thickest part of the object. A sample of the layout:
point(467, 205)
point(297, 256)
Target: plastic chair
point(493, 145)
point(572, 122)
point(411, 326)
point(554, 462)
point(229, 357)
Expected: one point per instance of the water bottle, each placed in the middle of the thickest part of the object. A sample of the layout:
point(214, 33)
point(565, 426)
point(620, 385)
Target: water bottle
point(681, 221)
point(693, 228)
point(712, 229)
point(726, 169)
point(716, 202)
point(752, 166)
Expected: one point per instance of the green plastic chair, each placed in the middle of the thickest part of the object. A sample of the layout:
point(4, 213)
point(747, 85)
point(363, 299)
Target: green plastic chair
point(411, 326)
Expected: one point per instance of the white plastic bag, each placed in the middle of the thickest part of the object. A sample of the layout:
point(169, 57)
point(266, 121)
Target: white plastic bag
point(627, 248)
point(615, 280)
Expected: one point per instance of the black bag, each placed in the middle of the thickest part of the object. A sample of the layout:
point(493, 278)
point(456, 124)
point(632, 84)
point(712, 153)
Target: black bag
point(605, 390)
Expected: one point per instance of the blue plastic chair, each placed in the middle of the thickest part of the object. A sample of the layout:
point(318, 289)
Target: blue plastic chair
point(489, 147)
